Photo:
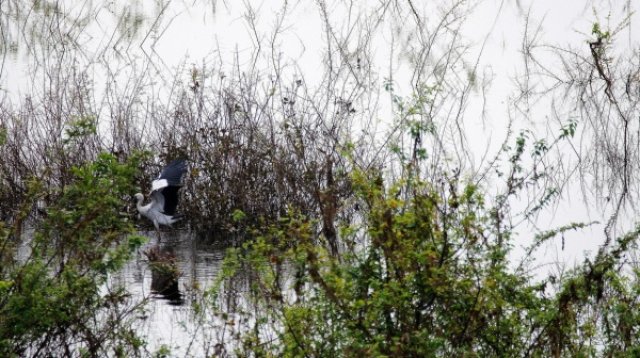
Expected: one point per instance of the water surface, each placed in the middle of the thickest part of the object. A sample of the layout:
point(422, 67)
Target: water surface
point(169, 319)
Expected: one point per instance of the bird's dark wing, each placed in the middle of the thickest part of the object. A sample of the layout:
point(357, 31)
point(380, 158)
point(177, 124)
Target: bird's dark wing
point(164, 190)
point(174, 171)
point(171, 175)
point(170, 195)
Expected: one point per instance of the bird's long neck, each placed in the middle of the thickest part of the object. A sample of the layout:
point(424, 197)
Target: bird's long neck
point(139, 206)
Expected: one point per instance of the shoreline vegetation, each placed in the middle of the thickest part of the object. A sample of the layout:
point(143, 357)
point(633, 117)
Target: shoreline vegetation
point(354, 208)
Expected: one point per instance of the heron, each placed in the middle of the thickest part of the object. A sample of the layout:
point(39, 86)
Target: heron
point(161, 209)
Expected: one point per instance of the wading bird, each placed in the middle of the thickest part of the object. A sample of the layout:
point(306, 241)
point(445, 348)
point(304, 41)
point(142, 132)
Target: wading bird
point(164, 196)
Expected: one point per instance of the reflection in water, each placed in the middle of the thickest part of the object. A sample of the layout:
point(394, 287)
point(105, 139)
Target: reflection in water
point(164, 273)
point(171, 277)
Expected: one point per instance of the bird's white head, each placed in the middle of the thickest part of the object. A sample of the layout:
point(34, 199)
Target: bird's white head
point(139, 197)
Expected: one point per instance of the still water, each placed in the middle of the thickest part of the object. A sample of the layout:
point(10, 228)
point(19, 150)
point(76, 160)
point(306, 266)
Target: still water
point(168, 319)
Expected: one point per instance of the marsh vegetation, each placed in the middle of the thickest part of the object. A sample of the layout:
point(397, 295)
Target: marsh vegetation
point(373, 195)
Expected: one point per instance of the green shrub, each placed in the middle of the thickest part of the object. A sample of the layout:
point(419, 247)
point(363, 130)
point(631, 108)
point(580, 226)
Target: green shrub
point(56, 300)
point(425, 274)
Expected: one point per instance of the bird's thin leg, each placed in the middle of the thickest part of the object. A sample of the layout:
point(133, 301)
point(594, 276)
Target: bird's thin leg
point(158, 233)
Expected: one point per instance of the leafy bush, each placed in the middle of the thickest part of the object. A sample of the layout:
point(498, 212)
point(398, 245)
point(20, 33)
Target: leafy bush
point(425, 274)
point(55, 298)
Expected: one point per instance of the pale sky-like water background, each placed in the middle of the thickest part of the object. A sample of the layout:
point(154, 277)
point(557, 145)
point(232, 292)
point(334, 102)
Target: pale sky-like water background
point(161, 41)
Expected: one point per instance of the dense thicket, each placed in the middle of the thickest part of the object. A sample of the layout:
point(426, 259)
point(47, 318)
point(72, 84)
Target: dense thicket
point(368, 222)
